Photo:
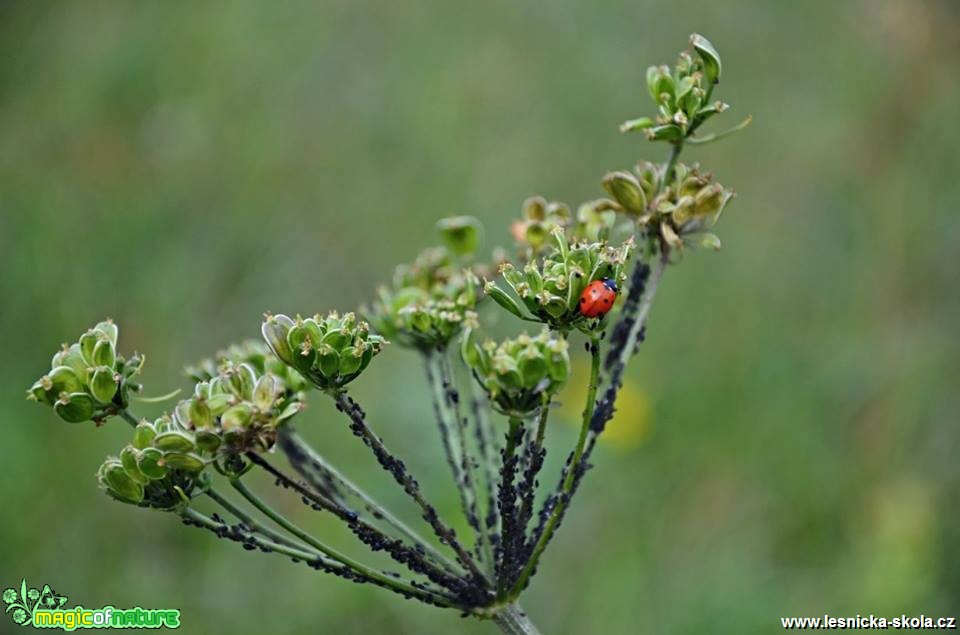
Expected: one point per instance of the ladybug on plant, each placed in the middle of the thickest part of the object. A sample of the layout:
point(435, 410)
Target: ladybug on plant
point(598, 298)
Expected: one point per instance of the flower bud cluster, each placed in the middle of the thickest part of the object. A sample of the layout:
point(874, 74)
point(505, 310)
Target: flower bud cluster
point(427, 303)
point(258, 355)
point(681, 212)
point(89, 380)
point(681, 94)
point(549, 288)
point(519, 374)
point(329, 352)
point(234, 412)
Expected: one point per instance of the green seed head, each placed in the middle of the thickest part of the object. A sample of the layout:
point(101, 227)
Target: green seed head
point(329, 351)
point(88, 380)
point(427, 303)
point(518, 374)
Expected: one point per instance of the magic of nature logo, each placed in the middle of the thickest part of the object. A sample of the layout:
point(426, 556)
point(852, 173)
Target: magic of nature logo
point(44, 608)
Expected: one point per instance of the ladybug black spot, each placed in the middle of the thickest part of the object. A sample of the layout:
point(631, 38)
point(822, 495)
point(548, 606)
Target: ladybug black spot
point(606, 301)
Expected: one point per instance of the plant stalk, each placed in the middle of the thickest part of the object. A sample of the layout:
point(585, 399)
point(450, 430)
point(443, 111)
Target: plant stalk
point(566, 486)
point(360, 569)
point(513, 621)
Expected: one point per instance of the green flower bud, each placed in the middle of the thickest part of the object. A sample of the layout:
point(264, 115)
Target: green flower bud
point(660, 84)
point(550, 288)
point(87, 380)
point(118, 483)
point(143, 435)
point(626, 190)
point(183, 461)
point(129, 457)
point(109, 329)
point(266, 391)
point(238, 416)
point(150, 463)
point(703, 240)
point(88, 341)
point(330, 351)
point(461, 234)
point(518, 374)
point(104, 353)
point(71, 357)
point(174, 441)
point(103, 384)
point(208, 441)
point(275, 329)
point(75, 407)
point(39, 393)
point(218, 404)
point(63, 379)
point(200, 414)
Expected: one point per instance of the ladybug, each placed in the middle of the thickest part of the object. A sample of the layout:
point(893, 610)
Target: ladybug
point(598, 298)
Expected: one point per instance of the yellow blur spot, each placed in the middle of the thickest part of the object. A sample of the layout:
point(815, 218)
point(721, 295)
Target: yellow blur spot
point(632, 422)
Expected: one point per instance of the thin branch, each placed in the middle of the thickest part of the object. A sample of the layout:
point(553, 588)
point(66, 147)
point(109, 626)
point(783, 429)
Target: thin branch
point(398, 470)
point(358, 568)
point(328, 481)
point(411, 557)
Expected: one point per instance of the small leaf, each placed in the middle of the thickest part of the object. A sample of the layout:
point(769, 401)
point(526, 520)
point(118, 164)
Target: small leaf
point(665, 132)
point(703, 240)
point(636, 124)
point(504, 299)
point(709, 55)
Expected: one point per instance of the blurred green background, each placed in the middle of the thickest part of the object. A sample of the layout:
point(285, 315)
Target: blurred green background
point(787, 444)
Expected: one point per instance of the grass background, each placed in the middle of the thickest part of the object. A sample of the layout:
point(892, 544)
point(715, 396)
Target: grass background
point(788, 439)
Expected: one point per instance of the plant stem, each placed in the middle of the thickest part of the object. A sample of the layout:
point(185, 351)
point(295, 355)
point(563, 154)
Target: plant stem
point(507, 504)
point(245, 518)
point(129, 418)
point(207, 522)
point(675, 149)
point(486, 443)
point(299, 452)
point(398, 470)
point(535, 462)
point(566, 486)
point(643, 310)
point(447, 402)
point(451, 432)
point(513, 621)
point(361, 569)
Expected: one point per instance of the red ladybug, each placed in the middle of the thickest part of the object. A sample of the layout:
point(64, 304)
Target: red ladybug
point(598, 298)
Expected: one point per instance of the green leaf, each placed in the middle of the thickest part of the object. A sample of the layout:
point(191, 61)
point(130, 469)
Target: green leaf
point(504, 299)
point(709, 55)
point(703, 240)
point(636, 124)
point(665, 132)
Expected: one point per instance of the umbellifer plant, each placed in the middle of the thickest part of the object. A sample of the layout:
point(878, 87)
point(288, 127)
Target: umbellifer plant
point(244, 402)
